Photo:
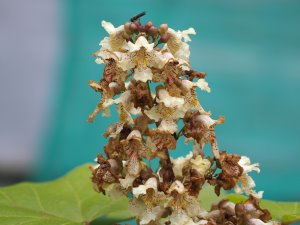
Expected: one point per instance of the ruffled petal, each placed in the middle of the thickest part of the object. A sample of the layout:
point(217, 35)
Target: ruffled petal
point(179, 163)
point(200, 165)
point(143, 74)
point(151, 183)
point(169, 101)
point(177, 186)
point(109, 27)
point(168, 125)
point(127, 181)
point(185, 34)
point(247, 183)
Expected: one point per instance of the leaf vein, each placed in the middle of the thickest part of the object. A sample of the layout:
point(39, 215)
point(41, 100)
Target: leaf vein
point(76, 196)
point(36, 194)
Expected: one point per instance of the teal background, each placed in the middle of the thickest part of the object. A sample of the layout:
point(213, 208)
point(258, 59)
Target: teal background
point(250, 51)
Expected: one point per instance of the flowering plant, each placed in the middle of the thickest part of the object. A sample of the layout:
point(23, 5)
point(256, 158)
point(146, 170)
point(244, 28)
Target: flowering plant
point(148, 76)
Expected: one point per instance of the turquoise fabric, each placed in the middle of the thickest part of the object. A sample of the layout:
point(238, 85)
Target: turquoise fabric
point(250, 50)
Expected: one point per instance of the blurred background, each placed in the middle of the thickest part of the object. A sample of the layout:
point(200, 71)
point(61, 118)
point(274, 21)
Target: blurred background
point(249, 49)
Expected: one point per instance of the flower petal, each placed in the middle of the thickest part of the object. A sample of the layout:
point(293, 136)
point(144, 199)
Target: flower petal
point(185, 34)
point(168, 125)
point(142, 74)
point(177, 186)
point(179, 163)
point(200, 165)
point(109, 27)
point(168, 100)
point(151, 183)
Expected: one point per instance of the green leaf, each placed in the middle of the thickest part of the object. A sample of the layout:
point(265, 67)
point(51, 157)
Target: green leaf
point(69, 200)
point(207, 196)
point(286, 212)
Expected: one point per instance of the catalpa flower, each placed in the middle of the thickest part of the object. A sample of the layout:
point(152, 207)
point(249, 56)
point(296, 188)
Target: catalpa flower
point(180, 163)
point(166, 115)
point(178, 47)
point(200, 165)
point(201, 83)
point(127, 181)
point(142, 56)
point(247, 183)
point(151, 183)
point(200, 127)
point(144, 213)
point(169, 101)
point(149, 78)
point(115, 41)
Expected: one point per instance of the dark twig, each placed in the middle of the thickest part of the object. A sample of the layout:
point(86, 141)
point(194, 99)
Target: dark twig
point(137, 16)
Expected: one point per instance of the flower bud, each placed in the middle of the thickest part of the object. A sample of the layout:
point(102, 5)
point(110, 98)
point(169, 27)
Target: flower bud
point(148, 25)
point(164, 38)
point(163, 28)
point(152, 30)
point(115, 167)
point(126, 36)
point(127, 28)
point(133, 27)
point(137, 23)
point(141, 28)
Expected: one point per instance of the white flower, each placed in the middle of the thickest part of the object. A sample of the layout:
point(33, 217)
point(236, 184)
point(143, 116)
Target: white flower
point(105, 54)
point(177, 186)
point(247, 166)
point(191, 102)
point(140, 42)
point(200, 165)
point(168, 55)
point(124, 108)
point(114, 191)
point(124, 115)
point(99, 61)
point(151, 214)
point(167, 116)
point(190, 99)
point(185, 34)
point(168, 125)
point(208, 122)
point(141, 56)
point(180, 49)
point(127, 182)
point(115, 41)
point(168, 100)
point(247, 183)
point(145, 214)
point(151, 183)
point(179, 163)
point(143, 74)
point(201, 83)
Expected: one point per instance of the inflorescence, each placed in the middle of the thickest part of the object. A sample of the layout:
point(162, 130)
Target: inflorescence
point(148, 77)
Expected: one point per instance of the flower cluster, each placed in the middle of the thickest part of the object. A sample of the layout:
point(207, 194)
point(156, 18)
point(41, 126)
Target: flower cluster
point(148, 77)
